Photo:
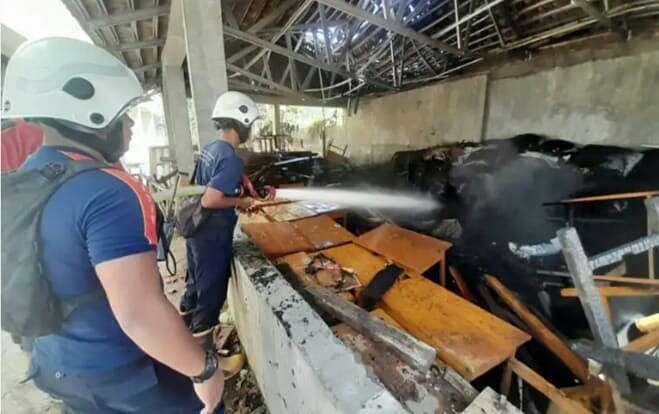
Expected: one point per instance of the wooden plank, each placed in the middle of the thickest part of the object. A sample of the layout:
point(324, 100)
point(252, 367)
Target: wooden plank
point(584, 394)
point(298, 263)
point(364, 263)
point(628, 280)
point(612, 291)
point(299, 210)
point(489, 402)
point(648, 323)
point(446, 373)
point(276, 239)
point(542, 385)
point(252, 218)
point(287, 212)
point(409, 349)
point(323, 232)
point(506, 380)
point(465, 292)
point(386, 318)
point(576, 364)
point(409, 249)
point(469, 339)
point(273, 202)
point(644, 343)
point(611, 197)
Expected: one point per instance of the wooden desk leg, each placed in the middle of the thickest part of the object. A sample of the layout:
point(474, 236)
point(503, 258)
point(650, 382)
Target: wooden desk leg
point(506, 380)
point(442, 270)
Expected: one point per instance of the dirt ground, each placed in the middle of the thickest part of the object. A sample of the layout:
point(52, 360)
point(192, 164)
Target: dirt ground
point(242, 395)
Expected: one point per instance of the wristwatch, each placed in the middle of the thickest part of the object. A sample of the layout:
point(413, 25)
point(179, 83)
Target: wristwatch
point(211, 366)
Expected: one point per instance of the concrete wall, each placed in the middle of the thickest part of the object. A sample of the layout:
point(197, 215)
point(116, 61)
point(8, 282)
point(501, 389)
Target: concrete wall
point(300, 366)
point(442, 113)
point(612, 101)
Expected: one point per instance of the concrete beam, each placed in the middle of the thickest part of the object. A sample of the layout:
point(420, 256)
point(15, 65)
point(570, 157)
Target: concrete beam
point(390, 25)
point(124, 18)
point(276, 124)
point(138, 45)
point(174, 51)
point(176, 117)
point(204, 44)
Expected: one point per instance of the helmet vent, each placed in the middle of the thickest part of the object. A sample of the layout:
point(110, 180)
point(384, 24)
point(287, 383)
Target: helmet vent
point(96, 118)
point(79, 88)
point(247, 120)
point(243, 109)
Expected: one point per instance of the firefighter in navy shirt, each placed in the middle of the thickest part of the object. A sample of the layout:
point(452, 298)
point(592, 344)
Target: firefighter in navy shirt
point(210, 251)
point(127, 351)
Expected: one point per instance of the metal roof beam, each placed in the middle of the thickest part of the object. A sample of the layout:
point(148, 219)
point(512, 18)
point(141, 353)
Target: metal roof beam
point(146, 68)
point(145, 44)
point(281, 88)
point(124, 18)
point(390, 25)
point(483, 8)
point(272, 16)
point(594, 12)
point(297, 56)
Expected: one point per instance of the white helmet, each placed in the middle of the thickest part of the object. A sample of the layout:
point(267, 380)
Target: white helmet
point(236, 106)
point(68, 80)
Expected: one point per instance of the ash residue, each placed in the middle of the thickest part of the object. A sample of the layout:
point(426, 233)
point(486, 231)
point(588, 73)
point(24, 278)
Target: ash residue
point(242, 394)
point(264, 276)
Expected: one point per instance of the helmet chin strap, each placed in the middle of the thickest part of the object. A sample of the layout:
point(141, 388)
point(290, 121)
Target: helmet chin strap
point(243, 133)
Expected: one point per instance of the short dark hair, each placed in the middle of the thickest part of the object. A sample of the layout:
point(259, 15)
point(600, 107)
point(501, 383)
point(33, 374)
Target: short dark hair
point(227, 123)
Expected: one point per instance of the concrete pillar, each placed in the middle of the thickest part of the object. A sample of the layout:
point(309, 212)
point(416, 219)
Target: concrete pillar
point(176, 117)
point(204, 44)
point(276, 125)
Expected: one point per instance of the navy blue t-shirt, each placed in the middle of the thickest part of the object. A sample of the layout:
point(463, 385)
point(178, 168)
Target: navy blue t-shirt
point(96, 216)
point(221, 168)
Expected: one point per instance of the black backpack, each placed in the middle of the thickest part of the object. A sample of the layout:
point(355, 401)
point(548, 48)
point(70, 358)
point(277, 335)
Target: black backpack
point(29, 307)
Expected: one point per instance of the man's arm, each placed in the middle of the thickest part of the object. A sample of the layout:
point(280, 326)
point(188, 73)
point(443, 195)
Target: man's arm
point(214, 199)
point(132, 286)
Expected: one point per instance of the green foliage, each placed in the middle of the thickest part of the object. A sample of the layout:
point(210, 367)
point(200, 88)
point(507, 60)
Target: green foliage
point(267, 128)
point(317, 128)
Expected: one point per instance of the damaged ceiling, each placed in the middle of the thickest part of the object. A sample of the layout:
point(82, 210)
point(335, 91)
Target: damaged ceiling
point(334, 49)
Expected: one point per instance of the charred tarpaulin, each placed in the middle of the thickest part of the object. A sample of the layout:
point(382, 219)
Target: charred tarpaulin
point(501, 191)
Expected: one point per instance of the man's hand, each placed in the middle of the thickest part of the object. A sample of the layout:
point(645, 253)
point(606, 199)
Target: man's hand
point(248, 187)
point(245, 204)
point(270, 192)
point(210, 391)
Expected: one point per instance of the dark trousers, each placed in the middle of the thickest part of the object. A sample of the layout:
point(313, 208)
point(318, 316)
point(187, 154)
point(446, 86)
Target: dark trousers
point(209, 255)
point(144, 387)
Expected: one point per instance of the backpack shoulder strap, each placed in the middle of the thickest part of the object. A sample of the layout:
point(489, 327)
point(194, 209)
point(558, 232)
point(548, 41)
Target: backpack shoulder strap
point(68, 306)
point(72, 168)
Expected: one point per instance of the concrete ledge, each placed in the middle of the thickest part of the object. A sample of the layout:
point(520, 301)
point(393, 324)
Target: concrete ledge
point(300, 366)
